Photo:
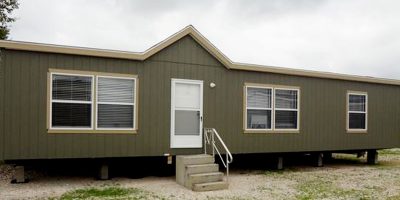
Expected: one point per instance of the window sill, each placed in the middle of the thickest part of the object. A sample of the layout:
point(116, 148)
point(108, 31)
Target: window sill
point(270, 131)
point(357, 131)
point(93, 131)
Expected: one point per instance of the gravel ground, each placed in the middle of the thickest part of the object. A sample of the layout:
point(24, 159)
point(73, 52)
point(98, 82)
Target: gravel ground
point(345, 178)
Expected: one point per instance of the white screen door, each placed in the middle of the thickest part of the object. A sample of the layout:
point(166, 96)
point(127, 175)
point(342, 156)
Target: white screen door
point(186, 113)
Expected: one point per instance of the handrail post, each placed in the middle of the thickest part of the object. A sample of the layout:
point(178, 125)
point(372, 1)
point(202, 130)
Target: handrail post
point(213, 142)
point(205, 140)
point(209, 135)
point(227, 167)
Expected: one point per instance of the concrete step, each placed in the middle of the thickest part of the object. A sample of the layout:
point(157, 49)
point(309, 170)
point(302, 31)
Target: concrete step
point(218, 185)
point(203, 168)
point(196, 159)
point(204, 178)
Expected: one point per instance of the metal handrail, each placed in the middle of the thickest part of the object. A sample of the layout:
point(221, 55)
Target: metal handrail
point(208, 140)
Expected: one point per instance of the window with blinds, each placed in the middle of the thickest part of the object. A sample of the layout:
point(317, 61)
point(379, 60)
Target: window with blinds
point(259, 108)
point(72, 102)
point(115, 103)
point(286, 110)
point(269, 108)
point(357, 111)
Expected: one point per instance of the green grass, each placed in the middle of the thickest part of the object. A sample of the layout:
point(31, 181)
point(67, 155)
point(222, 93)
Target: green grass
point(324, 184)
point(389, 152)
point(113, 193)
point(396, 197)
point(325, 189)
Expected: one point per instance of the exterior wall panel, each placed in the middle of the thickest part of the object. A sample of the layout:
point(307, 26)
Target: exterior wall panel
point(2, 97)
point(322, 107)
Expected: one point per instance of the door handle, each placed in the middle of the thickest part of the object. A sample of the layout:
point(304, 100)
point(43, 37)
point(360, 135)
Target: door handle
point(201, 117)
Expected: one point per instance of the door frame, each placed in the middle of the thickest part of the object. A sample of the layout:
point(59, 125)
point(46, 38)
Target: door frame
point(176, 141)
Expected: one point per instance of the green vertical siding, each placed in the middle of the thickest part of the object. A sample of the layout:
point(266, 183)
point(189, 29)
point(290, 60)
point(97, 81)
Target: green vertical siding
point(322, 108)
point(1, 105)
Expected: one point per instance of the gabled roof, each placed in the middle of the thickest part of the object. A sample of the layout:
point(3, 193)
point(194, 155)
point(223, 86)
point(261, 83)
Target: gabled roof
point(189, 30)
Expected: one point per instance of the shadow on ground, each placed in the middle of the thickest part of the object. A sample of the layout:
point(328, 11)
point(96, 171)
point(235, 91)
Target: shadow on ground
point(157, 166)
point(269, 162)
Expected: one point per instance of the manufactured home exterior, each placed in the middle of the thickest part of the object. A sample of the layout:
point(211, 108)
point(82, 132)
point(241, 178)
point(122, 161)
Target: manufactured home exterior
point(240, 101)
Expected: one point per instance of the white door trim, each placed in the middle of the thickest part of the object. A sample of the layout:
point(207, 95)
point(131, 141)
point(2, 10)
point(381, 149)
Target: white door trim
point(186, 141)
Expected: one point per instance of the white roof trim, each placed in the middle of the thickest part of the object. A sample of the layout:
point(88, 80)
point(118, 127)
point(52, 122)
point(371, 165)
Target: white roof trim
point(189, 30)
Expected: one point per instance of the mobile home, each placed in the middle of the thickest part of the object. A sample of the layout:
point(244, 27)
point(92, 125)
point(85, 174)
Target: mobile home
point(62, 102)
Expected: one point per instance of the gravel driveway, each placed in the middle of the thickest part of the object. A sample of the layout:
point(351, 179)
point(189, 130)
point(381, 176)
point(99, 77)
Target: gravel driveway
point(347, 178)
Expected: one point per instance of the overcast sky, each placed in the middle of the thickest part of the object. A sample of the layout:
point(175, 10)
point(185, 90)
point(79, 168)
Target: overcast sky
point(356, 37)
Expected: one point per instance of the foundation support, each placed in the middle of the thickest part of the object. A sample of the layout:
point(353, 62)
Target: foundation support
point(319, 160)
point(103, 172)
point(372, 157)
point(19, 175)
point(279, 165)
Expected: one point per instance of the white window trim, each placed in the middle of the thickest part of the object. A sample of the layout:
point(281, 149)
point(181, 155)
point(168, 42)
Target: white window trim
point(288, 109)
point(348, 129)
point(257, 108)
point(116, 103)
point(273, 109)
point(70, 101)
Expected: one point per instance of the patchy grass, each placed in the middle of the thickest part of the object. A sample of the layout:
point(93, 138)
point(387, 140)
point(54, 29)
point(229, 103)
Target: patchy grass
point(395, 151)
point(395, 197)
point(325, 189)
point(113, 193)
point(347, 177)
point(344, 177)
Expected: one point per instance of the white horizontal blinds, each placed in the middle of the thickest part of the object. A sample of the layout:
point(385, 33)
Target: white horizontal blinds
point(285, 99)
point(116, 90)
point(357, 103)
point(286, 109)
point(259, 97)
point(71, 101)
point(115, 103)
point(357, 111)
point(259, 107)
point(71, 87)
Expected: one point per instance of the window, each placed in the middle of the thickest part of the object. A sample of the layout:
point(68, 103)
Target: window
point(115, 103)
point(357, 107)
point(286, 110)
point(73, 105)
point(71, 101)
point(259, 108)
point(269, 108)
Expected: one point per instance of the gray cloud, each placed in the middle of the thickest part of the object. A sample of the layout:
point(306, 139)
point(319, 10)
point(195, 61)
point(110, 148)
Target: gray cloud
point(356, 37)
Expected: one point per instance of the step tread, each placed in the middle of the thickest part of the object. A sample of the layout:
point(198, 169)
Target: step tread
point(210, 186)
point(198, 160)
point(202, 165)
point(211, 183)
point(207, 174)
point(197, 156)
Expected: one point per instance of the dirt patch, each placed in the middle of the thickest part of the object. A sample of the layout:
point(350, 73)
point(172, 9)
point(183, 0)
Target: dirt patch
point(6, 172)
